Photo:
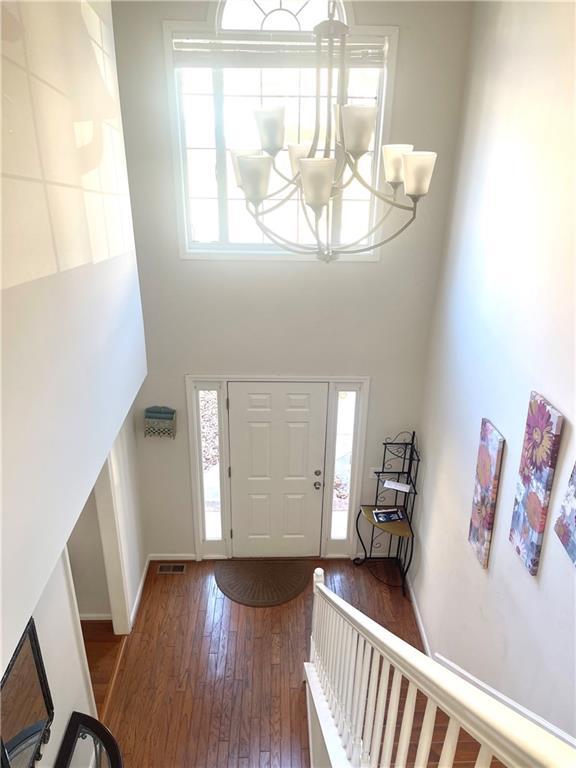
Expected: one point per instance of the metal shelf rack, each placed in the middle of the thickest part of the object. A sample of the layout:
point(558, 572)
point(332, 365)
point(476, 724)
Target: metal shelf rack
point(400, 464)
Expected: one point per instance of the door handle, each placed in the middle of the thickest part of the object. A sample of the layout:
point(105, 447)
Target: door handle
point(317, 485)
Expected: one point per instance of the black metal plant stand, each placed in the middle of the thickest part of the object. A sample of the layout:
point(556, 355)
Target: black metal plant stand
point(395, 490)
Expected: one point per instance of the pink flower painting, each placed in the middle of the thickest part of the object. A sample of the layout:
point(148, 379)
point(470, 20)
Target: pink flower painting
point(537, 465)
point(485, 490)
point(565, 525)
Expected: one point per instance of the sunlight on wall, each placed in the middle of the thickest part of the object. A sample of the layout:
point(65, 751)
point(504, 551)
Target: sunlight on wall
point(64, 187)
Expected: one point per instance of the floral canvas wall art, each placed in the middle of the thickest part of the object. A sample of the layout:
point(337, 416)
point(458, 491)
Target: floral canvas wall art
point(485, 490)
point(565, 526)
point(537, 466)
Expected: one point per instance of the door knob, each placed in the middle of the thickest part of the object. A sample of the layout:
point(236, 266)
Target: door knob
point(317, 485)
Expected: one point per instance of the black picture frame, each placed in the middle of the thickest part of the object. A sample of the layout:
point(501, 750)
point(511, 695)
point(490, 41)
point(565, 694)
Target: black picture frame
point(31, 635)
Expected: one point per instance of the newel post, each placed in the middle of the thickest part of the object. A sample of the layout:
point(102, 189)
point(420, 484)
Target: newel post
point(317, 579)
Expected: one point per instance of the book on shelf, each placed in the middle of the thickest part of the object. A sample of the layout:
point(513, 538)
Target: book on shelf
point(388, 515)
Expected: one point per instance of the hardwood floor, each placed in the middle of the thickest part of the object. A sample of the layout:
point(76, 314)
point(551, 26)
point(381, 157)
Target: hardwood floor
point(103, 651)
point(206, 682)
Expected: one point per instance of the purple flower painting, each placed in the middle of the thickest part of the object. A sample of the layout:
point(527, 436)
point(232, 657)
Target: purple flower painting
point(485, 490)
point(565, 526)
point(537, 465)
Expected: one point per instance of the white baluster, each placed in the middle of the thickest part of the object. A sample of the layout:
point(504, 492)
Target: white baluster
point(426, 734)
point(484, 758)
point(325, 642)
point(361, 707)
point(450, 742)
point(357, 694)
point(391, 717)
point(330, 656)
point(350, 689)
point(338, 664)
point(348, 634)
point(406, 729)
point(380, 711)
point(370, 705)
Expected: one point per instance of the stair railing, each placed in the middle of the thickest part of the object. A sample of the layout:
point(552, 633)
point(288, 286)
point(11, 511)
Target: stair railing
point(363, 683)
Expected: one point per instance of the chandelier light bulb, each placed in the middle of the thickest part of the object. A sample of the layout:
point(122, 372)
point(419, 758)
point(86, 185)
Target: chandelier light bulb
point(255, 176)
point(392, 158)
point(317, 180)
point(418, 168)
point(235, 154)
point(271, 129)
point(296, 152)
point(358, 124)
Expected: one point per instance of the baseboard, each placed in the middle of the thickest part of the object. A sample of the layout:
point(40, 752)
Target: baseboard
point(95, 617)
point(134, 611)
point(419, 621)
point(160, 556)
point(527, 713)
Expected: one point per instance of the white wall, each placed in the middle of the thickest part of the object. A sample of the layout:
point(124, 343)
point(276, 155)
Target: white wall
point(282, 318)
point(72, 333)
point(87, 564)
point(504, 325)
point(60, 637)
point(127, 504)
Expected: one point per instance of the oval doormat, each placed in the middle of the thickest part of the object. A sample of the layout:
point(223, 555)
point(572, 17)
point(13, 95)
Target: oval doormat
point(261, 583)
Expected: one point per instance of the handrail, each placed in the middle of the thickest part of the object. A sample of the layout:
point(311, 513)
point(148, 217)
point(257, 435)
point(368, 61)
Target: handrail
point(512, 738)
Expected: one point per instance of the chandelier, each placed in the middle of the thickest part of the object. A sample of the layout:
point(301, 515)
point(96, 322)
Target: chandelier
point(320, 174)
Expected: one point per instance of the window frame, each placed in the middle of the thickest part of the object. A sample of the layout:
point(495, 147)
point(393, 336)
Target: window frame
point(248, 252)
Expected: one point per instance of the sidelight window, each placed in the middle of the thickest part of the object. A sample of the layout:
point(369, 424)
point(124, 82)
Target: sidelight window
point(209, 421)
point(345, 434)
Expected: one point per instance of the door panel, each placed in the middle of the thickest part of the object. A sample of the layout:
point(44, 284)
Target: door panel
point(277, 445)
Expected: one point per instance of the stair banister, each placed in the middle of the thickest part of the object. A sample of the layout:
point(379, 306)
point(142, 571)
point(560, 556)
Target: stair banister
point(352, 660)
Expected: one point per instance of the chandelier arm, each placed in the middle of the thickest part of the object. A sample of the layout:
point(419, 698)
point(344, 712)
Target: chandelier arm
point(353, 165)
point(279, 203)
point(278, 239)
point(375, 228)
point(340, 187)
point(316, 136)
point(382, 242)
point(328, 137)
point(280, 190)
point(282, 176)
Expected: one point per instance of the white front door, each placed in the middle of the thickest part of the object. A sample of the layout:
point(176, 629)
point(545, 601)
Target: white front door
point(277, 445)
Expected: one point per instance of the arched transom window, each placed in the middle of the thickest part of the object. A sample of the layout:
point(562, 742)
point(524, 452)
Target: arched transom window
point(259, 53)
point(275, 15)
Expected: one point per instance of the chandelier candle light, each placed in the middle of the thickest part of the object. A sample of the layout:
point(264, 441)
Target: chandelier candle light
point(318, 175)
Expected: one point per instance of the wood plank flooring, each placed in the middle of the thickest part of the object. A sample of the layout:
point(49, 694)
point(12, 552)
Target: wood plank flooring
point(103, 651)
point(207, 682)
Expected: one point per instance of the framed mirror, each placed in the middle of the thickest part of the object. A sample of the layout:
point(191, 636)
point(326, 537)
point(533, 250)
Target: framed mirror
point(26, 704)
